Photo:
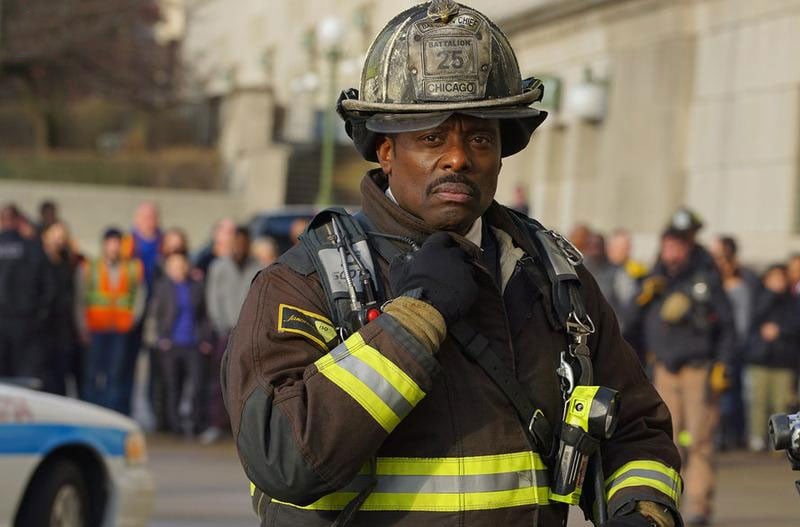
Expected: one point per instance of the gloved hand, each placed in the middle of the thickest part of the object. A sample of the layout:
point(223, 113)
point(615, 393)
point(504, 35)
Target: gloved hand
point(632, 519)
point(444, 273)
point(651, 287)
point(718, 378)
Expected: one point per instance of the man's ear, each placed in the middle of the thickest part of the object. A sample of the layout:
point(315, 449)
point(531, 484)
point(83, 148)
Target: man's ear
point(384, 149)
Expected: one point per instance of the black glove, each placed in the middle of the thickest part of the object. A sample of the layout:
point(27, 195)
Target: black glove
point(632, 519)
point(444, 273)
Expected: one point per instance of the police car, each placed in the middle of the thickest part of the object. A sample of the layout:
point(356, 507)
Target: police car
point(69, 463)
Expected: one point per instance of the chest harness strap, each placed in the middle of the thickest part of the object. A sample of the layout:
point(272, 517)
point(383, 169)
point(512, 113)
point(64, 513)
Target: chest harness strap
point(340, 247)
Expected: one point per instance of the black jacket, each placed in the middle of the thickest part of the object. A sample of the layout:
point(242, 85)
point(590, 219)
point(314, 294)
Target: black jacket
point(163, 309)
point(27, 282)
point(705, 333)
point(783, 310)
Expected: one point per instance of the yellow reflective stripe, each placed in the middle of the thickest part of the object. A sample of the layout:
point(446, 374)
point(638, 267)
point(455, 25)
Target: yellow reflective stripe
point(252, 489)
point(424, 502)
point(386, 368)
point(362, 394)
point(384, 390)
point(635, 481)
point(497, 481)
point(464, 466)
point(647, 473)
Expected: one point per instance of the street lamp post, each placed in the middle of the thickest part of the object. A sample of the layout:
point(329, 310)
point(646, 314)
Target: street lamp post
point(329, 33)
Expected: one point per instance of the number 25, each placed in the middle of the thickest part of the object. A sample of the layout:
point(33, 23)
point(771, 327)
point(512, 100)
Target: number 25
point(451, 59)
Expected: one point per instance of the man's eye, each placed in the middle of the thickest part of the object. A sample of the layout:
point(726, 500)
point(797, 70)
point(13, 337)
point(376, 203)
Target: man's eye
point(482, 139)
point(430, 138)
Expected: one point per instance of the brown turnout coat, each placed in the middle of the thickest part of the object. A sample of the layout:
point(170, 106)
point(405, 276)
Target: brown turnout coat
point(302, 434)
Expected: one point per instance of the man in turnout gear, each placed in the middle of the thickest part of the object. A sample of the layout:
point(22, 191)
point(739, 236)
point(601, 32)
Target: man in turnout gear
point(411, 414)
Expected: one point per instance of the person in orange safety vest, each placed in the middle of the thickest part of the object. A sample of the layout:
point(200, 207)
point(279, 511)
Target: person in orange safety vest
point(111, 300)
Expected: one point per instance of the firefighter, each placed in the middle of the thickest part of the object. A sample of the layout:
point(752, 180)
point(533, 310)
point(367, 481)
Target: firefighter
point(408, 412)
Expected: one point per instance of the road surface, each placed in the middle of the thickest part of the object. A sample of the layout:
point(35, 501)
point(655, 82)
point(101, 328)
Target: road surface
point(205, 487)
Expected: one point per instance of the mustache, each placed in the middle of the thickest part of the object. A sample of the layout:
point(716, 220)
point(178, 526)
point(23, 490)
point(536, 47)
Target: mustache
point(454, 178)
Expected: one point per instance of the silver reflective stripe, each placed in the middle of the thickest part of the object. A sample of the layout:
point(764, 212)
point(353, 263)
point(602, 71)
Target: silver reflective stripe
point(643, 473)
point(403, 484)
point(374, 380)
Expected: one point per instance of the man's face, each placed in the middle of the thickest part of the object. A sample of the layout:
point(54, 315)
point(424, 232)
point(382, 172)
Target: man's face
point(447, 175)
point(241, 247)
point(674, 253)
point(112, 248)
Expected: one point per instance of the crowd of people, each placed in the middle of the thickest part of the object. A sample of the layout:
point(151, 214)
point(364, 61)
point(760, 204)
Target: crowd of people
point(74, 325)
point(720, 341)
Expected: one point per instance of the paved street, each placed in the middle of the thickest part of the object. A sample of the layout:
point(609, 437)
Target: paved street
point(204, 487)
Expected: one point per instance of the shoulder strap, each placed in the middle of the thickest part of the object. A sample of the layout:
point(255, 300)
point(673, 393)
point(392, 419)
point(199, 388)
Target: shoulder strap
point(336, 246)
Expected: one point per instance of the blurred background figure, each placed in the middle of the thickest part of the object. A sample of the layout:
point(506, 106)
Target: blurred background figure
point(111, 294)
point(143, 244)
point(265, 250)
point(687, 330)
point(619, 251)
point(228, 281)
point(688, 222)
point(27, 294)
point(221, 245)
point(773, 355)
point(48, 215)
point(177, 313)
point(615, 283)
point(793, 270)
point(741, 285)
point(579, 236)
point(520, 201)
point(173, 241)
point(297, 228)
point(64, 348)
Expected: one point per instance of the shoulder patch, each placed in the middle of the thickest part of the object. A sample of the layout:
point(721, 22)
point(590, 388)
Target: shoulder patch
point(314, 327)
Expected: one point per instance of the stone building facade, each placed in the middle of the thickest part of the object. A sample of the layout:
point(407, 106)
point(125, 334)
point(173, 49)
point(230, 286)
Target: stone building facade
point(654, 104)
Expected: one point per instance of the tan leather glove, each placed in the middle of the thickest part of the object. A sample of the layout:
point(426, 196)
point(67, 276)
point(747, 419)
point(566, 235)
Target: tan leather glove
point(651, 287)
point(718, 379)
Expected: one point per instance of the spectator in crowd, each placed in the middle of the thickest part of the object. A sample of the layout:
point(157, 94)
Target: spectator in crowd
point(228, 281)
point(26, 228)
point(614, 282)
point(297, 228)
point(65, 354)
point(265, 250)
point(173, 241)
point(142, 243)
point(619, 248)
point(27, 293)
point(111, 298)
point(687, 325)
point(48, 215)
point(579, 236)
point(221, 245)
point(178, 314)
point(520, 203)
point(772, 354)
point(741, 286)
point(793, 269)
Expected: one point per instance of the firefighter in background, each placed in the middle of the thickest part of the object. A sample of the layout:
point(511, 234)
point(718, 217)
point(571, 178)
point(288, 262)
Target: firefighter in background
point(686, 327)
point(111, 300)
point(392, 423)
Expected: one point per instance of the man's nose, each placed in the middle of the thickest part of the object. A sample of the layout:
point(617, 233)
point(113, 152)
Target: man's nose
point(457, 157)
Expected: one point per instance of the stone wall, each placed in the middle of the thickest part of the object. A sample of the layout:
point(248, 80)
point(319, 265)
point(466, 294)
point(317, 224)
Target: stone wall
point(702, 110)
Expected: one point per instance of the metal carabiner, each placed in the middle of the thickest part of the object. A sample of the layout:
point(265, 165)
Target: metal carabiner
point(567, 375)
